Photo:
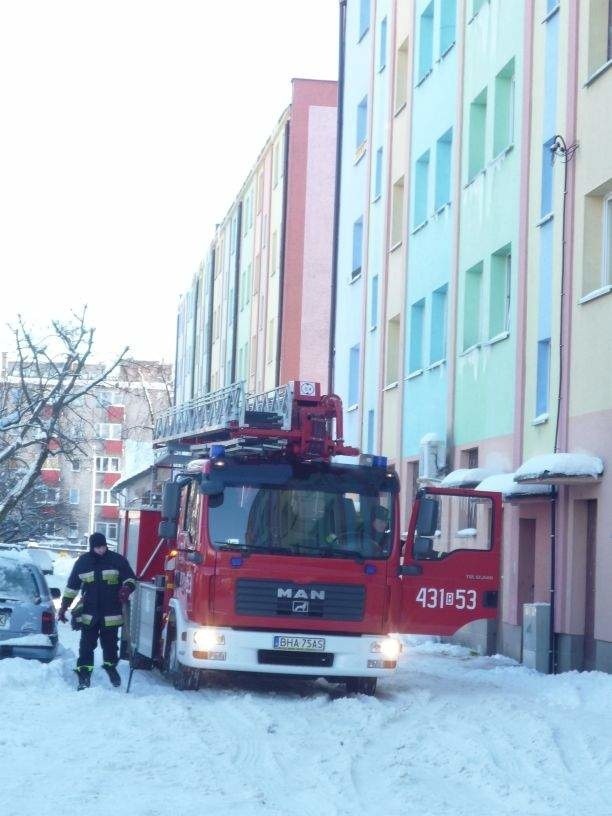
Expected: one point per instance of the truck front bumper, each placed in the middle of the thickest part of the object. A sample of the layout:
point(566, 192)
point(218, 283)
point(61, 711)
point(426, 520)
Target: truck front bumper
point(256, 651)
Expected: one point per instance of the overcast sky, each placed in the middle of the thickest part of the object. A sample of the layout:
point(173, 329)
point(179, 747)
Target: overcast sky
point(127, 128)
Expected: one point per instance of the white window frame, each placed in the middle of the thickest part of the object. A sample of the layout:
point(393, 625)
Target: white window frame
point(103, 498)
point(104, 464)
point(606, 252)
point(110, 430)
point(104, 527)
point(74, 495)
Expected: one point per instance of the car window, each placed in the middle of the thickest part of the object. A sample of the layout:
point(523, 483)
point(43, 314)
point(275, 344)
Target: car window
point(17, 583)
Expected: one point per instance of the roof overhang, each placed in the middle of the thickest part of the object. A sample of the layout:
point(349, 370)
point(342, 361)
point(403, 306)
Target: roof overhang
point(560, 469)
point(505, 484)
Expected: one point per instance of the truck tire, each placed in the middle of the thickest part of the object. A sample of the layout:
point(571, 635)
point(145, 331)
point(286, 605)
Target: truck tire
point(182, 677)
point(361, 685)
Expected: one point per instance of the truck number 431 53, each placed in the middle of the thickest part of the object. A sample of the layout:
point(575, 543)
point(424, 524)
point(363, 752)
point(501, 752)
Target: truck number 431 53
point(434, 598)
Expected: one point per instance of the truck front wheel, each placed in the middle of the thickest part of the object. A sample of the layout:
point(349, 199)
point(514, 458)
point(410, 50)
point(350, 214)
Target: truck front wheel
point(182, 677)
point(361, 685)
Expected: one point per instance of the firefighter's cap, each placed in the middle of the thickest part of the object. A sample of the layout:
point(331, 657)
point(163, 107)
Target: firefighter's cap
point(97, 540)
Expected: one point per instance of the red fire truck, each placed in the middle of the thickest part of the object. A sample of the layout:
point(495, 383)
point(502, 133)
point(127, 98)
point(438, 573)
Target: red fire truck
point(275, 554)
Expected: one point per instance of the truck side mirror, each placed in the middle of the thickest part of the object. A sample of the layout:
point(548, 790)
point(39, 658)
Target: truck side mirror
point(427, 519)
point(167, 529)
point(423, 547)
point(171, 498)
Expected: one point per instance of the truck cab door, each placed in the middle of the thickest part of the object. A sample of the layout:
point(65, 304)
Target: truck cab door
point(450, 574)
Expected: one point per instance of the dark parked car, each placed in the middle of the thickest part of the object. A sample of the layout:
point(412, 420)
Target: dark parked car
point(27, 613)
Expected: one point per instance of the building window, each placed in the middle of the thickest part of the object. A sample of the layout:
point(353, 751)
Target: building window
point(370, 432)
point(73, 530)
point(103, 497)
point(382, 44)
point(597, 252)
point(607, 241)
point(448, 22)
point(48, 495)
point(275, 163)
point(478, 121)
point(546, 204)
point(76, 466)
point(397, 212)
point(426, 42)
point(503, 126)
point(274, 252)
point(393, 351)
point(444, 148)
point(417, 320)
point(271, 341)
point(364, 17)
point(108, 529)
point(353, 384)
point(471, 306)
point(499, 297)
point(401, 76)
point(73, 495)
point(437, 345)
point(109, 430)
point(357, 247)
point(374, 303)
point(108, 464)
point(260, 191)
point(599, 34)
point(378, 174)
point(421, 183)
point(543, 377)
point(362, 122)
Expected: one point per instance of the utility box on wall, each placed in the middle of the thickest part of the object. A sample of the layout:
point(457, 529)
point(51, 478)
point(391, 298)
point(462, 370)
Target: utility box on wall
point(536, 636)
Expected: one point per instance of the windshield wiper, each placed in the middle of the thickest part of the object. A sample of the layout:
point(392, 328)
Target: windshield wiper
point(6, 600)
point(260, 548)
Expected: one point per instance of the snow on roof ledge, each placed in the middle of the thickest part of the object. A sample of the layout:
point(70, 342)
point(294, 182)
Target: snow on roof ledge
point(504, 483)
point(560, 468)
point(467, 477)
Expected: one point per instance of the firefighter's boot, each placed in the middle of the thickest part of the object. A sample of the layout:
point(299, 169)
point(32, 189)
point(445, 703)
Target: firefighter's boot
point(84, 675)
point(113, 674)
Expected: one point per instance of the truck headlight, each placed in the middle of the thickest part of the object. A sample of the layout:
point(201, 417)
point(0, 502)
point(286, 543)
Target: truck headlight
point(390, 648)
point(206, 639)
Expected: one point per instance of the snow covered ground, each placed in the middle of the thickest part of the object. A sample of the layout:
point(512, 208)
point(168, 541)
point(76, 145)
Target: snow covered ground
point(451, 733)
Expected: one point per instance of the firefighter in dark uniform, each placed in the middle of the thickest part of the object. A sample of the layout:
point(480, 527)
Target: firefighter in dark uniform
point(105, 580)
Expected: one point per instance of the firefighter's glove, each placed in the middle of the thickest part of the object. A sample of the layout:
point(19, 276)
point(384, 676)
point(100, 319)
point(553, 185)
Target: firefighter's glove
point(61, 612)
point(124, 593)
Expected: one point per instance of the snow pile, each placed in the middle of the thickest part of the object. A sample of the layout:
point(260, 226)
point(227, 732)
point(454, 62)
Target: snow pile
point(560, 465)
point(504, 483)
point(466, 477)
point(28, 640)
point(451, 734)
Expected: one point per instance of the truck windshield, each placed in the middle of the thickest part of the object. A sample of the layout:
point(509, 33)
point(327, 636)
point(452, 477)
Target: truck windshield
point(334, 514)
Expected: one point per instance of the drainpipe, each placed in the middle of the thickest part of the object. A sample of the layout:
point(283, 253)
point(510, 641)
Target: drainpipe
point(552, 642)
point(334, 285)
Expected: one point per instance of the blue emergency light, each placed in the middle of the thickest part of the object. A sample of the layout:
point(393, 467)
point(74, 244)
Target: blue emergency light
point(217, 451)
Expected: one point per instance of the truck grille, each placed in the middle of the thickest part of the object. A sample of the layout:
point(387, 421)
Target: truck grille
point(277, 657)
point(344, 602)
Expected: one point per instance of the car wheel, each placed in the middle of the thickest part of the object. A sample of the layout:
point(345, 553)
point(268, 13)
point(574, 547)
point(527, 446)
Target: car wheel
point(361, 685)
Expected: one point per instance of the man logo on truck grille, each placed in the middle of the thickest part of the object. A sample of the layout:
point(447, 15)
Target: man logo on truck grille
point(301, 594)
point(299, 606)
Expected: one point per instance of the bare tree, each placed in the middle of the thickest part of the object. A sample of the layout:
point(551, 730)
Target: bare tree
point(39, 399)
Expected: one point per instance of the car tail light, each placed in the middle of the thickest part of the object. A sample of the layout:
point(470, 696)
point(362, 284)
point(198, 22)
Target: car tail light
point(48, 623)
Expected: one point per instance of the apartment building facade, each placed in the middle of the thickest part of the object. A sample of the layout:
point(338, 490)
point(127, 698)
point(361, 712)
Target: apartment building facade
point(258, 309)
point(105, 422)
point(492, 267)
